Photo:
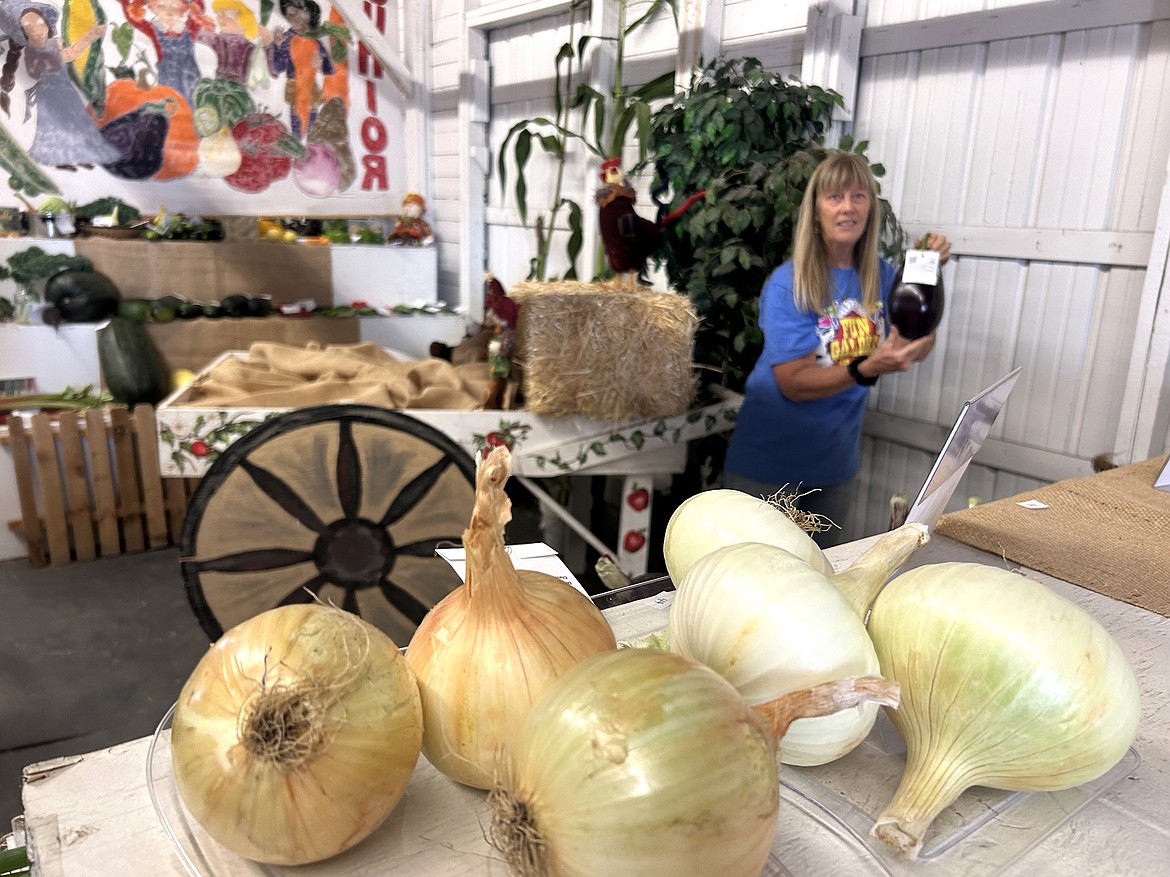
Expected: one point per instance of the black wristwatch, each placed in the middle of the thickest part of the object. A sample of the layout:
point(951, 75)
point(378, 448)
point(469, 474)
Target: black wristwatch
point(856, 374)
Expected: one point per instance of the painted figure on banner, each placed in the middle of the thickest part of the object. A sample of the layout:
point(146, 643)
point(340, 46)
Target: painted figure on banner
point(329, 167)
point(302, 57)
point(66, 135)
point(233, 40)
point(172, 26)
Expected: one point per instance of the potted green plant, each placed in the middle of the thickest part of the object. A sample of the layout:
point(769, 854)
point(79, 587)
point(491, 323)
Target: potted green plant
point(751, 138)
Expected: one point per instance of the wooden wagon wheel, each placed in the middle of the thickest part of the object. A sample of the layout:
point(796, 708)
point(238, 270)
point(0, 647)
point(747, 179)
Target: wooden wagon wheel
point(343, 503)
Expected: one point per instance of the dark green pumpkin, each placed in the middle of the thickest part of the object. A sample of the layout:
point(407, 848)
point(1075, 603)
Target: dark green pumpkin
point(82, 296)
point(132, 370)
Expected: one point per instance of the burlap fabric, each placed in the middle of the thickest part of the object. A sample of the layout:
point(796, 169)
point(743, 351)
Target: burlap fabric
point(275, 375)
point(1108, 532)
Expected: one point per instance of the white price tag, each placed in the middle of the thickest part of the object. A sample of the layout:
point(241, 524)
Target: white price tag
point(921, 266)
point(1032, 504)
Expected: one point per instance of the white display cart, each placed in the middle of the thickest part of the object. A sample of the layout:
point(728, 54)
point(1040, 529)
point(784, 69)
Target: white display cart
point(637, 450)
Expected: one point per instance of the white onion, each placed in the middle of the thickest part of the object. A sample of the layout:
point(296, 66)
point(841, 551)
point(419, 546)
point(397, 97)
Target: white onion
point(1004, 684)
point(641, 763)
point(715, 518)
point(296, 734)
point(769, 624)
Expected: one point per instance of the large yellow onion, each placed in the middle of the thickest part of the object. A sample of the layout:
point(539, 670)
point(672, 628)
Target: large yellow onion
point(641, 763)
point(491, 647)
point(296, 734)
point(1004, 684)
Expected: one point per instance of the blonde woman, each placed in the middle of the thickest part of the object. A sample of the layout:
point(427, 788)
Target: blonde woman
point(826, 342)
point(233, 40)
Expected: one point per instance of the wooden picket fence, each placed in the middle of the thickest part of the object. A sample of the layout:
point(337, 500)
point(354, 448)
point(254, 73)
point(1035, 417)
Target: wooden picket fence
point(89, 485)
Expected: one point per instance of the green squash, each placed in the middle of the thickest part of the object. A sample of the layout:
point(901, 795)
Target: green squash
point(132, 369)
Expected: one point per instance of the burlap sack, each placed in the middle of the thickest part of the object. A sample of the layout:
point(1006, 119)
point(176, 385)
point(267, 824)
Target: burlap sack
point(1108, 532)
point(287, 376)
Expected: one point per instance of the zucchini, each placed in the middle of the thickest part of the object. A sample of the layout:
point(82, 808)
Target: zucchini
point(132, 369)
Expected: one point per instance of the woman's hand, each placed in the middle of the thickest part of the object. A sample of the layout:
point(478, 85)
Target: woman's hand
point(939, 243)
point(896, 353)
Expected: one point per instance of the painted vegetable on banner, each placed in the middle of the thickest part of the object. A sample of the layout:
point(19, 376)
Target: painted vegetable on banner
point(222, 100)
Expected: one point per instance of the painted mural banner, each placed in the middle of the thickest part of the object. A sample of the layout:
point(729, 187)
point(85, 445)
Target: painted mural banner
point(213, 106)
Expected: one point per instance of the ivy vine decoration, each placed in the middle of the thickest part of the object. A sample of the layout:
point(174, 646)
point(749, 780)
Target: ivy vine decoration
point(208, 438)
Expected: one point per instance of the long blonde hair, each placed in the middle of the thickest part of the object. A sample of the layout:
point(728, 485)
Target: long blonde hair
point(840, 170)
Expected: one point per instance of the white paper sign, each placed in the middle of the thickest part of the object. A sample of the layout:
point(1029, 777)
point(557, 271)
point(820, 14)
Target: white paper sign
point(1162, 482)
point(921, 266)
point(535, 556)
point(1032, 504)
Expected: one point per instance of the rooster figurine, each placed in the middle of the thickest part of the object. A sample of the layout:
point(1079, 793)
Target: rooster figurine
point(629, 239)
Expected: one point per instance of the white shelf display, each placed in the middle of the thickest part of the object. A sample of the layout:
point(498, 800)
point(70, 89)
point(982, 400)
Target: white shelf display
point(384, 276)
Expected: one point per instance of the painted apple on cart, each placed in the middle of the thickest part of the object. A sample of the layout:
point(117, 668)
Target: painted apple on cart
point(638, 499)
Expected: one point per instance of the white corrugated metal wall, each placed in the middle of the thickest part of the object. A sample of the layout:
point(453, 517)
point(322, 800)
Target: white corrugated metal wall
point(1036, 136)
point(1041, 148)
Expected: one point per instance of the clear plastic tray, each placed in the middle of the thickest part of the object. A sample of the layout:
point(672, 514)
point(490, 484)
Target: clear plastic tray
point(826, 814)
point(987, 828)
point(437, 828)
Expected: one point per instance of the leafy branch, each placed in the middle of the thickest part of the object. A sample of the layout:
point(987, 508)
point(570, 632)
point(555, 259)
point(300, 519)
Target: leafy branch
point(80, 399)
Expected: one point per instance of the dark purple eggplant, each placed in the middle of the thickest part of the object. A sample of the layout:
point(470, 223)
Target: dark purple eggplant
point(141, 135)
point(916, 305)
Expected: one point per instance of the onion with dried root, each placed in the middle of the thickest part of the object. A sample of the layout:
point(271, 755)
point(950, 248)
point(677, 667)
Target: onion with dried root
point(770, 623)
point(296, 734)
point(642, 763)
point(715, 518)
point(719, 518)
point(1004, 684)
point(491, 647)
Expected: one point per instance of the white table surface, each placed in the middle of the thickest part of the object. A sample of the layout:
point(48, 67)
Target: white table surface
point(92, 816)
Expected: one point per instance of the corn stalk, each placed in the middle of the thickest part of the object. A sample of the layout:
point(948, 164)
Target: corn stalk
point(583, 115)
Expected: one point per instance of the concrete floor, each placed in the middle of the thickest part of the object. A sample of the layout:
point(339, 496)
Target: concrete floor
point(91, 655)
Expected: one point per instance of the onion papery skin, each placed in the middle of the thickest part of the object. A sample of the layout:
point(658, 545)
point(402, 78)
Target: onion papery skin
point(715, 518)
point(494, 645)
point(310, 667)
point(1004, 684)
point(769, 624)
point(641, 763)
point(481, 665)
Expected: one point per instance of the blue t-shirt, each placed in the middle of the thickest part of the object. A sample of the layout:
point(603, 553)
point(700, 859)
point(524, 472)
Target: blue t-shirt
point(816, 443)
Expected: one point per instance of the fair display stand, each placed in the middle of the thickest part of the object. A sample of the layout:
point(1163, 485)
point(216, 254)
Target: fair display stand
point(93, 814)
point(542, 447)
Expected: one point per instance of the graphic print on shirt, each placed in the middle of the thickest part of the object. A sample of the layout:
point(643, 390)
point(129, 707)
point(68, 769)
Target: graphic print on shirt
point(845, 332)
